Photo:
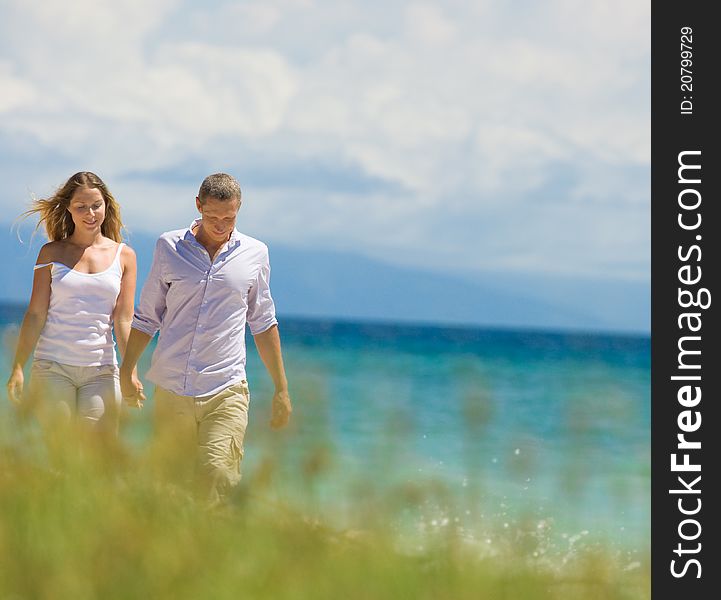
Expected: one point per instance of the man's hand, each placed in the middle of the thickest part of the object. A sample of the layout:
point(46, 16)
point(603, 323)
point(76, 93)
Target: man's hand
point(280, 410)
point(131, 389)
point(268, 344)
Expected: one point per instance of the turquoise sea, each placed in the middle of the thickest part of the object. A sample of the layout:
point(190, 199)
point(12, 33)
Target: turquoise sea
point(499, 434)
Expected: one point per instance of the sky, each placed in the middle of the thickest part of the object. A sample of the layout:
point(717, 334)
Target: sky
point(458, 136)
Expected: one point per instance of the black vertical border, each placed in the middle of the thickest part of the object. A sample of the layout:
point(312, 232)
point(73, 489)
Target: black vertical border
point(672, 133)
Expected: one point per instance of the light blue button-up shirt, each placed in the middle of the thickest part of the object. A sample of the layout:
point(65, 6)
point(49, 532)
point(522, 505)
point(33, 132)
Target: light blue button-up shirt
point(201, 308)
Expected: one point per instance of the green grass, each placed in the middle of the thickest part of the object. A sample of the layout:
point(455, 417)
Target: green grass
point(99, 524)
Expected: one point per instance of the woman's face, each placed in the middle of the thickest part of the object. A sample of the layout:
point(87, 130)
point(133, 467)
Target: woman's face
point(87, 209)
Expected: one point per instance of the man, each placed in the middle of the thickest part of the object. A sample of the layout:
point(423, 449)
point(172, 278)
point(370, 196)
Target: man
point(205, 283)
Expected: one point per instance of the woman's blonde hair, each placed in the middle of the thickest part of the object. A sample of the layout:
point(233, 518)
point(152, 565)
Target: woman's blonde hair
point(54, 213)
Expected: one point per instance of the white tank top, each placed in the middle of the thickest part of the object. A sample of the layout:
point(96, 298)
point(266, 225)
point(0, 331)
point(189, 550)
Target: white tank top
point(78, 330)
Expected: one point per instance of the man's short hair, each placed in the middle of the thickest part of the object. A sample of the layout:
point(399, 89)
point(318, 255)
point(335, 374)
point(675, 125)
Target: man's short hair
point(219, 186)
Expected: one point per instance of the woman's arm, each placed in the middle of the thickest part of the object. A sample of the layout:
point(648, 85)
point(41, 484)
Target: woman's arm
point(123, 312)
point(33, 323)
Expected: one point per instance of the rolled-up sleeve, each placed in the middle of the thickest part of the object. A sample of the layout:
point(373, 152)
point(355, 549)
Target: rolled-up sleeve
point(150, 310)
point(261, 309)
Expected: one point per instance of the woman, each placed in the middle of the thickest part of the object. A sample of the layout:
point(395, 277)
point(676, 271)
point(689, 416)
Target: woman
point(83, 288)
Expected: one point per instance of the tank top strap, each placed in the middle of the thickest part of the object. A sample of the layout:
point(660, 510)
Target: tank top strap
point(40, 266)
point(116, 260)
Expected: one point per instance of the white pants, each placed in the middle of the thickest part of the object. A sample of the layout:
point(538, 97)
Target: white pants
point(61, 394)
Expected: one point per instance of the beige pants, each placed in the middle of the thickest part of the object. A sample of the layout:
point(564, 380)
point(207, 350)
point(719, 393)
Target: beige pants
point(201, 438)
point(62, 393)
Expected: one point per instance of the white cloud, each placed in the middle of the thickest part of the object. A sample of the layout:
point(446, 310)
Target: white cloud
point(476, 112)
point(428, 23)
point(15, 91)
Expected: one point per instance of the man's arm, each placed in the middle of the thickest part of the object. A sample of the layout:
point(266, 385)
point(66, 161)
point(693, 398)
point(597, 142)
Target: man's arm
point(130, 385)
point(146, 322)
point(268, 344)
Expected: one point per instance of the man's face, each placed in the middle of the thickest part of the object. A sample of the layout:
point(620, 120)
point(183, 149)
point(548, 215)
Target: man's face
point(218, 217)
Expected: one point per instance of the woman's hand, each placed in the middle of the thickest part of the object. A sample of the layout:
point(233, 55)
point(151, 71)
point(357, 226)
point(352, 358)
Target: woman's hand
point(15, 385)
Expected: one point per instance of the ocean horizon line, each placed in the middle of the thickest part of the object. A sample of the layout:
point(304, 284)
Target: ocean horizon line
point(411, 325)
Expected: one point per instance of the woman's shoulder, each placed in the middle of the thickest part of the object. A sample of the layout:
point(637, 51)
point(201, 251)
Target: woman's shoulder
point(52, 252)
point(127, 251)
point(127, 255)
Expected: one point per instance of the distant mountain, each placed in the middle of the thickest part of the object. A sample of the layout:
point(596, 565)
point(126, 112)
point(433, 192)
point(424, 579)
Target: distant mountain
point(343, 285)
